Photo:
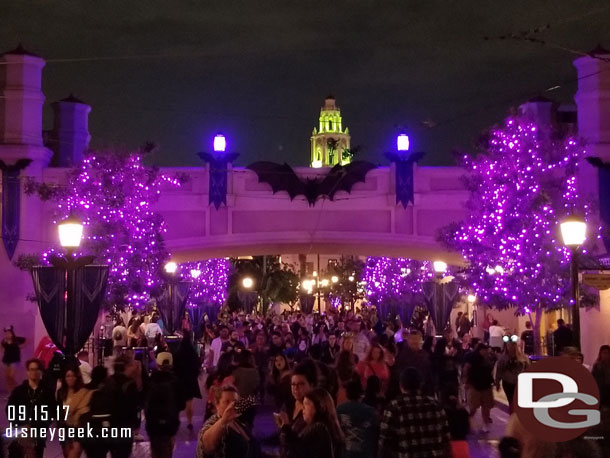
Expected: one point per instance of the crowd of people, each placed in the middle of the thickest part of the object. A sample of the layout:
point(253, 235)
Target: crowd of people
point(339, 384)
point(353, 385)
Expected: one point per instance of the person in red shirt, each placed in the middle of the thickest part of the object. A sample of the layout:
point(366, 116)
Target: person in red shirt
point(374, 364)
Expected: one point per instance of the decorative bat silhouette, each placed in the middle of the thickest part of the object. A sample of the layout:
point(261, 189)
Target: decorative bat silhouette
point(282, 177)
point(16, 167)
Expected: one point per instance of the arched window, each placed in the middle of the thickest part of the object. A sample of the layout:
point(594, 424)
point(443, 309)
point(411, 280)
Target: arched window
point(330, 123)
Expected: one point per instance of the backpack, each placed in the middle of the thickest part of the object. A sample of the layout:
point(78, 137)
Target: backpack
point(163, 405)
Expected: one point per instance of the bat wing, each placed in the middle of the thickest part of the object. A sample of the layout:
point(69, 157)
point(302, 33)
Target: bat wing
point(19, 165)
point(344, 177)
point(280, 177)
point(597, 162)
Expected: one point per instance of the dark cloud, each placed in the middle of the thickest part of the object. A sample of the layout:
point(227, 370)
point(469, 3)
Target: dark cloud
point(259, 70)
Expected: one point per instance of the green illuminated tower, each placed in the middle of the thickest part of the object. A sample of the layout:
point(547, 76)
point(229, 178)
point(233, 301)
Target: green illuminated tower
point(329, 140)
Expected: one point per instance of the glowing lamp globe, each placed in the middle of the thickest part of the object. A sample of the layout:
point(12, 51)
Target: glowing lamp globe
point(350, 278)
point(247, 282)
point(472, 298)
point(334, 279)
point(220, 143)
point(402, 143)
point(171, 267)
point(440, 267)
point(70, 232)
point(573, 231)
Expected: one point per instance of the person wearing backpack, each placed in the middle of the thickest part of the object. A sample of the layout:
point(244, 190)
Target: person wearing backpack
point(121, 394)
point(162, 408)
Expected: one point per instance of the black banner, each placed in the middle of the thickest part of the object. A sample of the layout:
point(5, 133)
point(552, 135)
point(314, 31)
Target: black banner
point(440, 298)
point(218, 177)
point(404, 189)
point(69, 301)
point(11, 204)
point(173, 305)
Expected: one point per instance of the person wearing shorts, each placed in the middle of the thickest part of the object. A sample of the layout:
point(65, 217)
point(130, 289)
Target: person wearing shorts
point(479, 381)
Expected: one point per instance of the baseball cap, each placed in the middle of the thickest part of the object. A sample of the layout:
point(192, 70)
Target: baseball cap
point(165, 358)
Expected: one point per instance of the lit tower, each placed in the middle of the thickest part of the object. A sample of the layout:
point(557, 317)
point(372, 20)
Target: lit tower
point(329, 140)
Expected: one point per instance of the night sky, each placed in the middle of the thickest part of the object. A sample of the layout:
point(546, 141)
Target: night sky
point(176, 72)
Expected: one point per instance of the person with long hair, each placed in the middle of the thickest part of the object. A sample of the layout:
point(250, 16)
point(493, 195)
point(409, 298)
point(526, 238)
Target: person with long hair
point(12, 355)
point(187, 369)
point(346, 371)
point(134, 333)
point(374, 364)
point(222, 376)
point(74, 397)
point(322, 436)
point(304, 379)
point(279, 380)
point(511, 363)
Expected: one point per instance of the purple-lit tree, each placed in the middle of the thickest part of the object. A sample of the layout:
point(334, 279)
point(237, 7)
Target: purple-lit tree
point(209, 281)
point(112, 194)
point(396, 283)
point(521, 186)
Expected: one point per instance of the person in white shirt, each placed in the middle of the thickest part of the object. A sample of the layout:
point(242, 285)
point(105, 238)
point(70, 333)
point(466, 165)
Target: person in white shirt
point(361, 340)
point(216, 345)
point(152, 329)
point(84, 366)
point(496, 333)
point(119, 337)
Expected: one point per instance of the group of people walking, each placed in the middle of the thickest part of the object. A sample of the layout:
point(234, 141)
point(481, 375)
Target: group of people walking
point(340, 385)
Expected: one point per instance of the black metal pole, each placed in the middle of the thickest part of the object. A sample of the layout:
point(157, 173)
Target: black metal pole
point(69, 311)
point(575, 298)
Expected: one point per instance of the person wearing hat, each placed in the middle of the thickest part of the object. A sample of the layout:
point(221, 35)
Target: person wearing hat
point(162, 408)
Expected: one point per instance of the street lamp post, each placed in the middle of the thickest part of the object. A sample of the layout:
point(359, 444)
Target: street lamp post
point(70, 233)
point(573, 232)
point(70, 291)
point(440, 268)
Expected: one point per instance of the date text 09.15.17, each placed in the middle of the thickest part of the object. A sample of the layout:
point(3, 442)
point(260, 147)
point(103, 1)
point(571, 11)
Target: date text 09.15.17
point(37, 413)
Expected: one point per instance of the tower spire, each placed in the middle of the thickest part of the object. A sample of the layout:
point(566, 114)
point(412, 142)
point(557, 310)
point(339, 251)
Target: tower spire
point(330, 139)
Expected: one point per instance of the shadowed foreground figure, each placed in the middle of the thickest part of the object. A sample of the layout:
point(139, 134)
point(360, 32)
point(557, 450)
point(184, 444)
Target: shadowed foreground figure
point(413, 425)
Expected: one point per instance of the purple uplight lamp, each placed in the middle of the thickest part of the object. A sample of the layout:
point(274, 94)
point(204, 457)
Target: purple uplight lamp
point(220, 143)
point(402, 143)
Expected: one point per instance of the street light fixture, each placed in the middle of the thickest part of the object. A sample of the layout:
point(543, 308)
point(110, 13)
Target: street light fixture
point(247, 282)
point(70, 232)
point(220, 143)
point(402, 143)
point(440, 267)
point(334, 279)
point(574, 233)
point(171, 267)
